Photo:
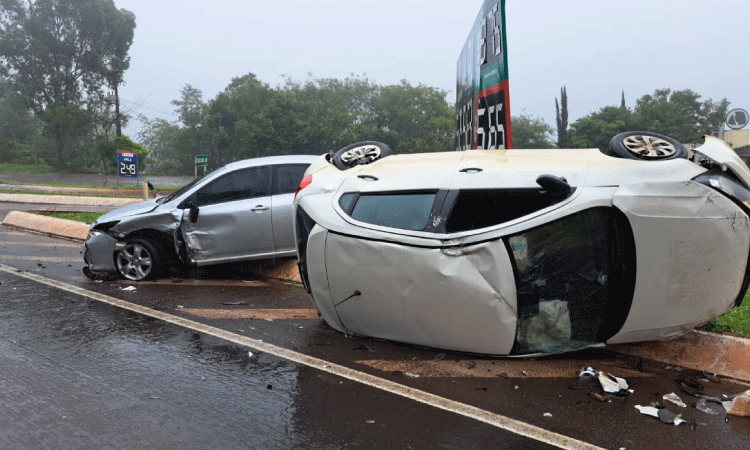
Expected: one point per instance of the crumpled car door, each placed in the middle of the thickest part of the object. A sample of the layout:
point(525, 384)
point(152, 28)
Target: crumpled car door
point(234, 218)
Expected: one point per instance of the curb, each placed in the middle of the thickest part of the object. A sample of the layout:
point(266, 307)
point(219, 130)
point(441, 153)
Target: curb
point(69, 229)
point(104, 202)
point(718, 354)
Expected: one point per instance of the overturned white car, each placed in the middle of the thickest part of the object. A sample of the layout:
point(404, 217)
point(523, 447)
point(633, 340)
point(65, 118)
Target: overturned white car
point(517, 252)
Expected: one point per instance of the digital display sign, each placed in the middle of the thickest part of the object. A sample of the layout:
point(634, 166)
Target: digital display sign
point(482, 100)
point(127, 164)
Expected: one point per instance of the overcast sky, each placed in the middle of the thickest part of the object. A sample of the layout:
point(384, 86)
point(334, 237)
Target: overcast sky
point(596, 49)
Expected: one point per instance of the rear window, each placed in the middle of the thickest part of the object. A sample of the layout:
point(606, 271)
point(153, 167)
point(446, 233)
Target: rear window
point(409, 211)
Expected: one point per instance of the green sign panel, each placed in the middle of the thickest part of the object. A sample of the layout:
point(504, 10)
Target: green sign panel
point(201, 160)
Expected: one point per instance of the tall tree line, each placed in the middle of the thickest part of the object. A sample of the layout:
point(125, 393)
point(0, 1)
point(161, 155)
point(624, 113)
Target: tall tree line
point(249, 119)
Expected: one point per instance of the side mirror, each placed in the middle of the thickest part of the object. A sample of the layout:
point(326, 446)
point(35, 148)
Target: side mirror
point(194, 210)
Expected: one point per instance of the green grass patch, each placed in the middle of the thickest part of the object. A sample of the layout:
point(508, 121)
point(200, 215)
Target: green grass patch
point(25, 168)
point(21, 191)
point(85, 217)
point(736, 320)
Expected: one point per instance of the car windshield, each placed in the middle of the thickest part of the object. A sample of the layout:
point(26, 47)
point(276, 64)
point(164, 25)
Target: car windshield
point(178, 192)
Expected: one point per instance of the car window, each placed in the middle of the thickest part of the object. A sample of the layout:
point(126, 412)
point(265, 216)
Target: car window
point(238, 185)
point(403, 211)
point(288, 178)
point(575, 279)
point(480, 208)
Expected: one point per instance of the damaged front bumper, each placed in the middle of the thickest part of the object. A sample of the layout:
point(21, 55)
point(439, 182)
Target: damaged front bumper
point(98, 253)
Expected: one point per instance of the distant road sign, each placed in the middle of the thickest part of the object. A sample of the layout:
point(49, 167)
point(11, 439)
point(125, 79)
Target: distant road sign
point(127, 164)
point(201, 160)
point(737, 119)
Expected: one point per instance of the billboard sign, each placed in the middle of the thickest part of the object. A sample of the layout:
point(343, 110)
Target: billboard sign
point(127, 164)
point(482, 100)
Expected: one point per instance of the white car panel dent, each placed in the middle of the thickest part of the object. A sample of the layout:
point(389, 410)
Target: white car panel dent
point(688, 222)
point(460, 298)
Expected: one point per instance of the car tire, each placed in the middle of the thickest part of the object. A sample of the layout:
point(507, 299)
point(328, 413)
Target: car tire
point(644, 145)
point(138, 260)
point(364, 152)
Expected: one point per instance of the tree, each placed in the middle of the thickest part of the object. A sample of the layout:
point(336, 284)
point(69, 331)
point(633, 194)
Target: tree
point(531, 132)
point(680, 114)
point(59, 54)
point(596, 129)
point(561, 116)
point(193, 138)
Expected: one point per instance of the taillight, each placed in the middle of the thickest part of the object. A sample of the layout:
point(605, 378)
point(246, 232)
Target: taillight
point(303, 184)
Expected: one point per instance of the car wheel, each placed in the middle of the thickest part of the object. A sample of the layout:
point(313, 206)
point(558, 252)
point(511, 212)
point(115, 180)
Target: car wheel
point(360, 153)
point(138, 260)
point(645, 145)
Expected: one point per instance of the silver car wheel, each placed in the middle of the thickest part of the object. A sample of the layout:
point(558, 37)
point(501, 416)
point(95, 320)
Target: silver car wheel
point(649, 146)
point(134, 262)
point(360, 155)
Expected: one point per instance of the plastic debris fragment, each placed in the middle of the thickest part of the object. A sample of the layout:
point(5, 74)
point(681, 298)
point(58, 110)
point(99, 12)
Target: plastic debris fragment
point(613, 384)
point(702, 406)
point(662, 414)
point(129, 288)
point(674, 398)
point(547, 415)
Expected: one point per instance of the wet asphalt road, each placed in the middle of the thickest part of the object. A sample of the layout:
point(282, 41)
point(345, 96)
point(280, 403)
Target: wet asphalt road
point(77, 372)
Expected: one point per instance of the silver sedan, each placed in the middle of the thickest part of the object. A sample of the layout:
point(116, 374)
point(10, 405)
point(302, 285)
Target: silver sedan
point(242, 211)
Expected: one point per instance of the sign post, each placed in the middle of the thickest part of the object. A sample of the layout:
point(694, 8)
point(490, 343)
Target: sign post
point(482, 99)
point(127, 164)
point(200, 160)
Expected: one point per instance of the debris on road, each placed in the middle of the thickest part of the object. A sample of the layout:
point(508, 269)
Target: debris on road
point(613, 384)
point(129, 288)
point(703, 406)
point(234, 303)
point(663, 414)
point(674, 398)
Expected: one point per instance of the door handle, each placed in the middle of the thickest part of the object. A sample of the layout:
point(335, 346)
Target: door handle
point(260, 208)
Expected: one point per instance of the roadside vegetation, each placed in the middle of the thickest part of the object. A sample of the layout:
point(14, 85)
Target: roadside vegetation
point(735, 321)
point(85, 217)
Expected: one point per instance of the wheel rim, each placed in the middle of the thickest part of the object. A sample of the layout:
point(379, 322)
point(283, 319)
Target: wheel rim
point(363, 154)
point(134, 262)
point(649, 146)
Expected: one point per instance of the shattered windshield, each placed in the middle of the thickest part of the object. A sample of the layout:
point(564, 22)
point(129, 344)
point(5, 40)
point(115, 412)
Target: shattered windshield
point(571, 275)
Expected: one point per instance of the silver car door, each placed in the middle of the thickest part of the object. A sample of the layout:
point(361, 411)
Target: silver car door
point(233, 218)
point(287, 178)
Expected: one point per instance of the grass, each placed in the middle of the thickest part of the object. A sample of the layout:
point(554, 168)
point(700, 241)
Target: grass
point(25, 168)
point(85, 217)
point(736, 320)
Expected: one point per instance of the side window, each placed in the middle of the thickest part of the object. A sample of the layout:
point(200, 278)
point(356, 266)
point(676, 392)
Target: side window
point(403, 211)
point(575, 281)
point(480, 208)
point(288, 178)
point(238, 185)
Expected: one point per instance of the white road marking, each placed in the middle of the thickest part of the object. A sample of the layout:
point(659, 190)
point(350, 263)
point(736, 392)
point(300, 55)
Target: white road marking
point(505, 423)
